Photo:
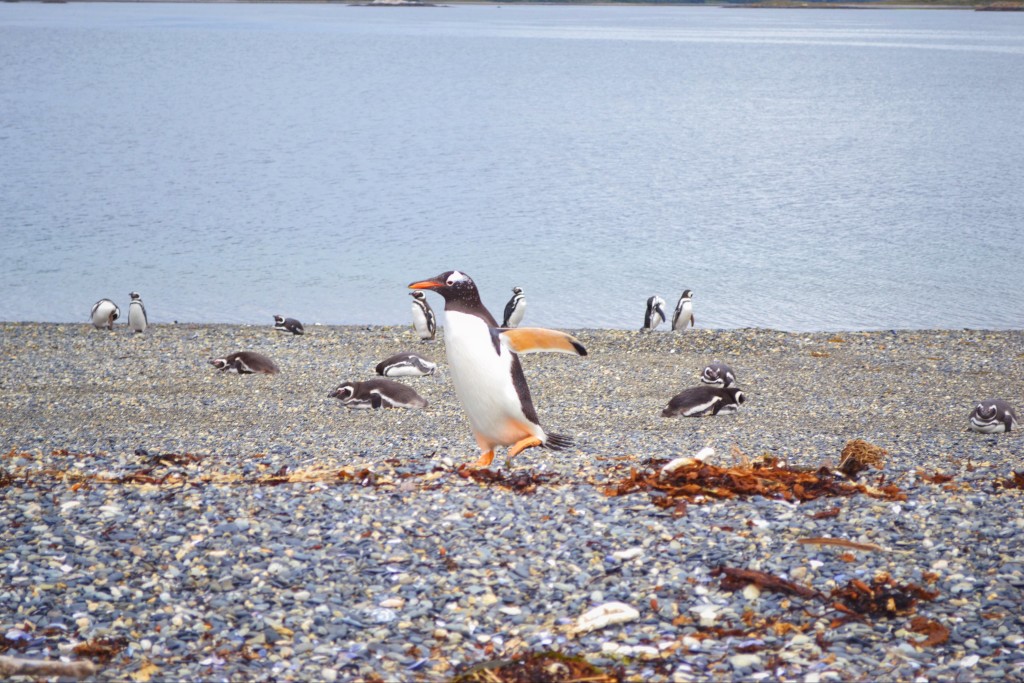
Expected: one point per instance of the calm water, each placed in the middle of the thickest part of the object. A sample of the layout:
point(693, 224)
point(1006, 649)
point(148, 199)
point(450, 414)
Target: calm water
point(802, 170)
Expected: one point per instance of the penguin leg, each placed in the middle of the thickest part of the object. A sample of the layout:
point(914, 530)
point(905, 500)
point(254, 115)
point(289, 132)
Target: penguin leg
point(486, 451)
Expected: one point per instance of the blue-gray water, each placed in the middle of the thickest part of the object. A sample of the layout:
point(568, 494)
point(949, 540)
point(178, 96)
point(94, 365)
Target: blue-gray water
point(801, 170)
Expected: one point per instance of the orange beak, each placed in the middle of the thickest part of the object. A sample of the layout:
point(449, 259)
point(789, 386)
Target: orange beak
point(426, 284)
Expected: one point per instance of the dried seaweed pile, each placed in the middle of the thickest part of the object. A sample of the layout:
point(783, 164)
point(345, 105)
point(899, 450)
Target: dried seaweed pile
point(695, 481)
point(538, 667)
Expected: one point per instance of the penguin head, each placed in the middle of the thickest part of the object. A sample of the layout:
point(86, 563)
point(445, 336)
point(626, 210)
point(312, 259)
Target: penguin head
point(452, 285)
point(687, 294)
point(344, 392)
point(737, 395)
point(418, 295)
point(134, 296)
point(517, 290)
point(219, 363)
point(279, 320)
point(985, 412)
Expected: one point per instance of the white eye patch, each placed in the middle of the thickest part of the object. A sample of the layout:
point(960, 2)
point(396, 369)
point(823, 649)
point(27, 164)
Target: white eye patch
point(456, 276)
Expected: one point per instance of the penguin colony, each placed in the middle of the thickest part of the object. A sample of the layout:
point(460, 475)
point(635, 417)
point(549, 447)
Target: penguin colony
point(483, 360)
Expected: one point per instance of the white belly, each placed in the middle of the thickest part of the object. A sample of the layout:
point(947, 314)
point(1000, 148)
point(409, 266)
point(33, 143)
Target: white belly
point(483, 381)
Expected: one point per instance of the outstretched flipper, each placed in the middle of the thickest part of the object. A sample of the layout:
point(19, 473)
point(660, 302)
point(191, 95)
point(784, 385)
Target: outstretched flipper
point(538, 339)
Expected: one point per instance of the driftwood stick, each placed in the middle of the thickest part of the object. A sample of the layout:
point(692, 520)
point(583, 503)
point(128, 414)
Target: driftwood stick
point(13, 666)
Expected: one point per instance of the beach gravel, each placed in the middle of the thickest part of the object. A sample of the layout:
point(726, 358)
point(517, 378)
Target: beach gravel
point(173, 522)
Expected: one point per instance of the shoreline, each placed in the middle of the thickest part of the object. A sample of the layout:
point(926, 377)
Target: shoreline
point(205, 525)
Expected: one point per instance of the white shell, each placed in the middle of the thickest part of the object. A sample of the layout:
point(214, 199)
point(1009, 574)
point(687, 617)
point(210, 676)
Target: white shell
point(605, 615)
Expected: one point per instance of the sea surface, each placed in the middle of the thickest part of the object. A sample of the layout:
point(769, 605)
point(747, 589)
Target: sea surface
point(797, 169)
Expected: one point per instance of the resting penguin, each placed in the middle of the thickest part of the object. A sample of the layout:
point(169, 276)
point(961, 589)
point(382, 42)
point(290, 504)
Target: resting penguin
point(683, 317)
point(423, 316)
point(655, 314)
point(378, 393)
point(485, 369)
point(137, 313)
point(704, 400)
point(104, 313)
point(993, 416)
point(246, 363)
point(515, 309)
point(288, 325)
point(406, 365)
point(719, 375)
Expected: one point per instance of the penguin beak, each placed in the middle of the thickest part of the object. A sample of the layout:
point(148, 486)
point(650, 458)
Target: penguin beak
point(427, 284)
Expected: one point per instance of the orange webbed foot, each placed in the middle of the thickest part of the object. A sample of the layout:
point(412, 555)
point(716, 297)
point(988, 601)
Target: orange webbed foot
point(521, 445)
point(485, 459)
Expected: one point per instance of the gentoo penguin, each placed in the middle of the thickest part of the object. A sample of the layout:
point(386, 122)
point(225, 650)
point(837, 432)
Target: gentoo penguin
point(288, 325)
point(423, 316)
point(104, 313)
point(719, 375)
point(993, 417)
point(515, 308)
point(655, 314)
point(246, 363)
point(137, 313)
point(378, 393)
point(406, 365)
point(486, 372)
point(704, 400)
point(683, 317)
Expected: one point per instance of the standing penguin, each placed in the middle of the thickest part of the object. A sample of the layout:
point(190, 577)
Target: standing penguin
point(683, 317)
point(655, 314)
point(423, 316)
point(288, 325)
point(485, 369)
point(104, 313)
point(515, 308)
point(137, 314)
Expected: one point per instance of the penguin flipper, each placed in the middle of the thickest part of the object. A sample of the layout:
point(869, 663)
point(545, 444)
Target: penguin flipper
point(538, 339)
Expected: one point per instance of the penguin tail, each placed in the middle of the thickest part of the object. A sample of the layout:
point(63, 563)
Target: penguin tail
point(557, 442)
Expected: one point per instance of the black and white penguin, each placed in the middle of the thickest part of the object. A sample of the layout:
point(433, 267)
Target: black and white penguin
point(137, 313)
point(378, 393)
point(704, 400)
point(288, 325)
point(655, 314)
point(993, 416)
point(718, 374)
point(406, 365)
point(104, 313)
point(246, 363)
point(683, 317)
point(423, 316)
point(515, 308)
point(484, 365)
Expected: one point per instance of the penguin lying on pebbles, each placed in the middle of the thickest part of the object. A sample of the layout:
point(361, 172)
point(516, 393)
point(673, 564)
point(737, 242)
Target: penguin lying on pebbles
point(485, 369)
point(246, 363)
point(104, 313)
point(378, 393)
point(406, 365)
point(993, 416)
point(718, 374)
point(288, 325)
point(704, 400)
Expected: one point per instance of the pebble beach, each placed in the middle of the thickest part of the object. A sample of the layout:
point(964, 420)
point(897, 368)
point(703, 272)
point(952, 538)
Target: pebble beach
point(173, 522)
